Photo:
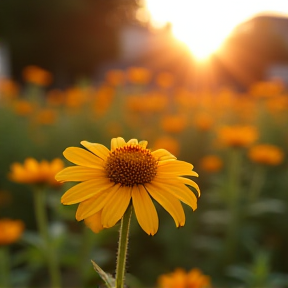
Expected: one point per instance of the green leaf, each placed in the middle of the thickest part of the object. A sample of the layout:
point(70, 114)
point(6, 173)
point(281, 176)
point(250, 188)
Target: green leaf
point(107, 278)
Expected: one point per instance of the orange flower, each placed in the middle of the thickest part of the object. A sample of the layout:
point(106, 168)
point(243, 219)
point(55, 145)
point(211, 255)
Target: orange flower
point(154, 102)
point(173, 123)
point(33, 172)
point(9, 88)
point(237, 136)
point(138, 75)
point(55, 97)
point(75, 97)
point(167, 143)
point(46, 116)
point(10, 231)
point(266, 89)
point(165, 80)
point(115, 77)
point(203, 121)
point(23, 107)
point(37, 75)
point(211, 163)
point(266, 154)
point(182, 279)
point(103, 99)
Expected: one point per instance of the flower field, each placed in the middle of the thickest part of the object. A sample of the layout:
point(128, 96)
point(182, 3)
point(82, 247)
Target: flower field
point(237, 143)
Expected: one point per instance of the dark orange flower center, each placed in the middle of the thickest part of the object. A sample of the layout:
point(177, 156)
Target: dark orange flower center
point(131, 165)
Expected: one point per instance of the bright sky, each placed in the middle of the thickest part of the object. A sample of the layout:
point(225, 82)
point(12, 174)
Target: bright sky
point(204, 24)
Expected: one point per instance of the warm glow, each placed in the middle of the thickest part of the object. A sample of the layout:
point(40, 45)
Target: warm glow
point(204, 25)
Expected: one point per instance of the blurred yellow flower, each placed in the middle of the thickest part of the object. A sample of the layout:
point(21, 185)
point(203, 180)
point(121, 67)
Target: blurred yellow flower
point(182, 279)
point(138, 75)
point(34, 172)
point(115, 77)
point(165, 80)
point(23, 107)
point(237, 136)
point(36, 75)
point(112, 178)
point(211, 163)
point(266, 154)
point(10, 231)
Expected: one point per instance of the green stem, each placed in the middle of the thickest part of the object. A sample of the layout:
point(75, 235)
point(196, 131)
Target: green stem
point(256, 183)
point(48, 249)
point(4, 267)
point(122, 248)
point(87, 244)
point(234, 183)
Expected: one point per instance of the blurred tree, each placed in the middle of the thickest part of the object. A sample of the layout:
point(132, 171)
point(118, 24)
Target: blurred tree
point(68, 37)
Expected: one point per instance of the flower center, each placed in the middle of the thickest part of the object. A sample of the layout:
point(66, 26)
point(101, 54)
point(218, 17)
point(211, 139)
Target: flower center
point(131, 165)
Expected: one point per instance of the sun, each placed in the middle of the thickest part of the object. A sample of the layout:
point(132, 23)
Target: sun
point(204, 25)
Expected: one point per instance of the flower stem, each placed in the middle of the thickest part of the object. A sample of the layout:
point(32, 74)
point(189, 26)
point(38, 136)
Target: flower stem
point(234, 183)
point(48, 249)
point(122, 248)
point(257, 183)
point(4, 267)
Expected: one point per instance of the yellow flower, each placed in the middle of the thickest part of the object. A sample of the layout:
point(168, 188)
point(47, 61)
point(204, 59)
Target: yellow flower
point(266, 154)
point(237, 136)
point(211, 163)
point(10, 231)
point(182, 279)
point(112, 178)
point(33, 172)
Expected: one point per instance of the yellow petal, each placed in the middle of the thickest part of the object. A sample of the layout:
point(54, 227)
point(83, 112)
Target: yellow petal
point(143, 144)
point(190, 183)
point(145, 210)
point(91, 205)
point(82, 157)
point(117, 142)
point(31, 165)
point(94, 222)
point(79, 173)
point(85, 190)
point(177, 180)
point(175, 164)
point(176, 168)
point(178, 190)
point(98, 149)
point(116, 207)
point(162, 154)
point(170, 203)
point(133, 141)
